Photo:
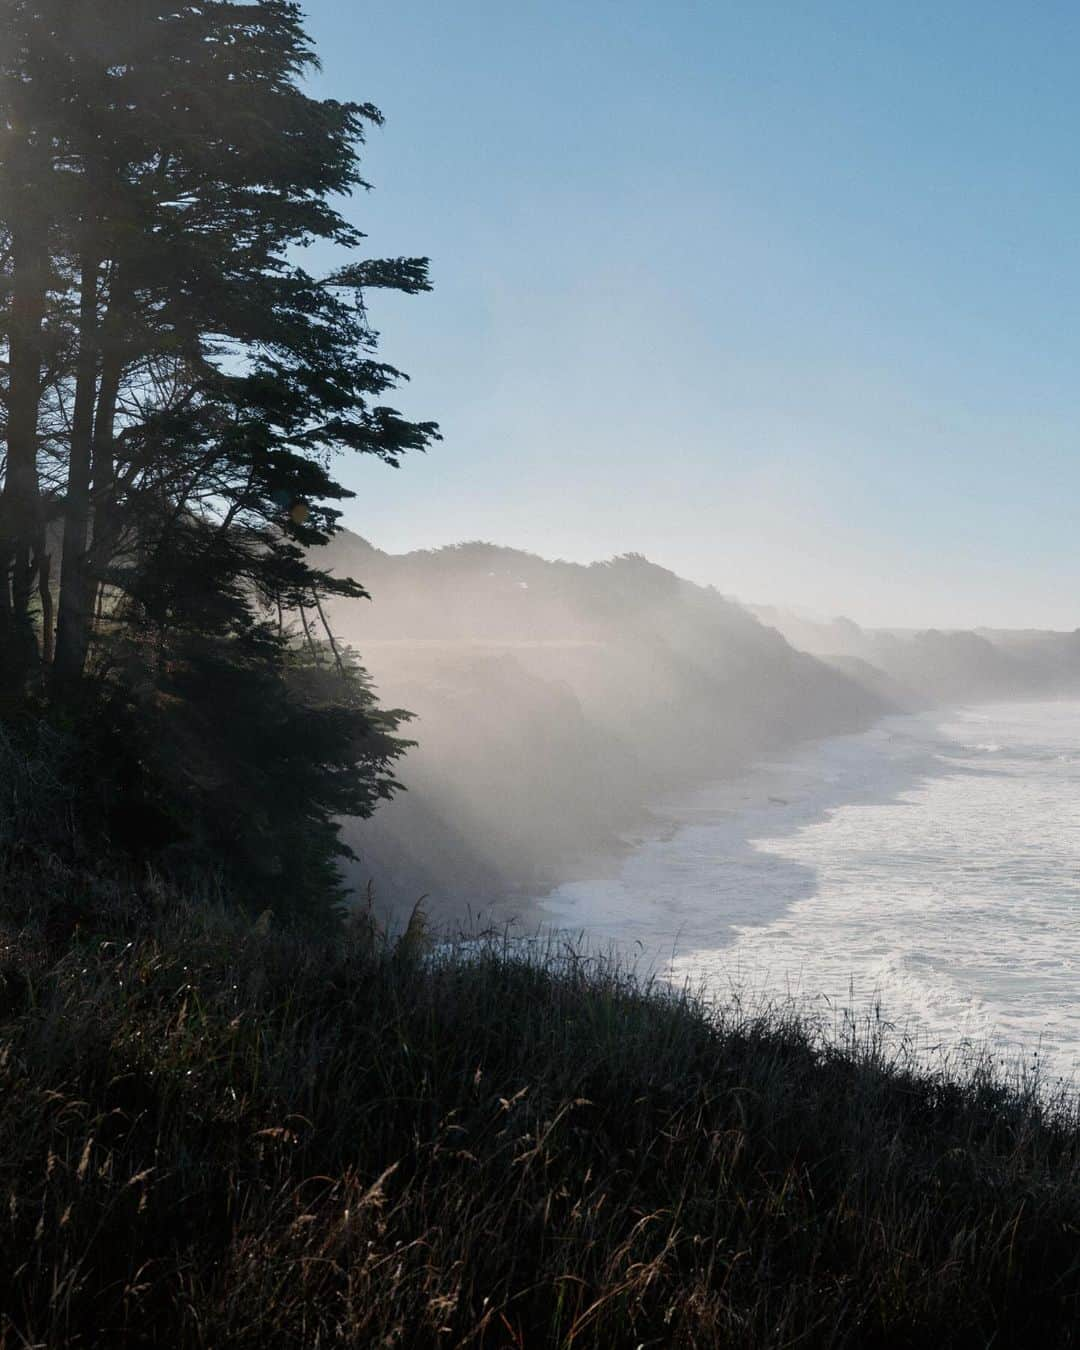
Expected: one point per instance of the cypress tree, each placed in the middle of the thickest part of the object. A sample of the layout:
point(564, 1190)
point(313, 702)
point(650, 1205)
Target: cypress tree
point(178, 384)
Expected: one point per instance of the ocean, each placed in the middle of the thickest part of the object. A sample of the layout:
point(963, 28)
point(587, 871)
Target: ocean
point(925, 873)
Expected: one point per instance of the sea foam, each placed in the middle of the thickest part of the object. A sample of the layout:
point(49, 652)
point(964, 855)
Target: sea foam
point(929, 868)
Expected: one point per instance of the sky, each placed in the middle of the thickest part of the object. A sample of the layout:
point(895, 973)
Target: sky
point(784, 296)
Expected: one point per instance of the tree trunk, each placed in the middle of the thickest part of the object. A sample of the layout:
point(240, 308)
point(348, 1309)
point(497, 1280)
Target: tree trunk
point(106, 520)
point(43, 564)
point(20, 501)
point(106, 524)
point(73, 625)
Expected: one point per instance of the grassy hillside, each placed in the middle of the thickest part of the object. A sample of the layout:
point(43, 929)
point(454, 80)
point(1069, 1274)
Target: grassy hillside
point(217, 1134)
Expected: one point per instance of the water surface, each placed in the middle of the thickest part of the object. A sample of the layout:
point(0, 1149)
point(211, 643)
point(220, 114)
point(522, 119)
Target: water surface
point(931, 866)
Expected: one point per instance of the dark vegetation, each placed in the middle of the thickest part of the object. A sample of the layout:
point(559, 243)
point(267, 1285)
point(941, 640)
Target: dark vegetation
point(174, 385)
point(214, 1132)
point(228, 1117)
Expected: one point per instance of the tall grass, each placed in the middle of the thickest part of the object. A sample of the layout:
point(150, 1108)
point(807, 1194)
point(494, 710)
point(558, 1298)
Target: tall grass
point(214, 1133)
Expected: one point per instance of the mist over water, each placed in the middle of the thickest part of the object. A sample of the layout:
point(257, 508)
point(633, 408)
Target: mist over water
point(931, 865)
point(785, 807)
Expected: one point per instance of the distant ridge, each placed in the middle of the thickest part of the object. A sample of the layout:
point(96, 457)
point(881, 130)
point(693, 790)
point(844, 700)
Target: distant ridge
point(933, 666)
point(556, 700)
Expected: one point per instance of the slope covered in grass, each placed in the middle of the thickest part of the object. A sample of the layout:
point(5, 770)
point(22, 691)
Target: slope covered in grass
point(216, 1133)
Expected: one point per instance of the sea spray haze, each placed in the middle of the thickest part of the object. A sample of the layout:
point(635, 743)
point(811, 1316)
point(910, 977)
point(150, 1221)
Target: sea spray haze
point(560, 706)
point(556, 703)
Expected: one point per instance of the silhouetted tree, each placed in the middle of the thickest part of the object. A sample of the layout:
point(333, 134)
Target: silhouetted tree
point(176, 383)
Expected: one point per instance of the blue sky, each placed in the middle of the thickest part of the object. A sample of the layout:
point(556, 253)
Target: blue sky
point(785, 296)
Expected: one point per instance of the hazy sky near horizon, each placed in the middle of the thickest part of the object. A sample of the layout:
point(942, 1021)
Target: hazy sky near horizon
point(786, 297)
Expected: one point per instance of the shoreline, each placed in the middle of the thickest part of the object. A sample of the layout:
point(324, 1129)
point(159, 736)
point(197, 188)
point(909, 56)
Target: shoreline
point(840, 876)
point(509, 896)
point(662, 820)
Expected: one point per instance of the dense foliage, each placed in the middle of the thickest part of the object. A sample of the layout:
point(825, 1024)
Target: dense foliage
point(174, 386)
